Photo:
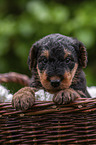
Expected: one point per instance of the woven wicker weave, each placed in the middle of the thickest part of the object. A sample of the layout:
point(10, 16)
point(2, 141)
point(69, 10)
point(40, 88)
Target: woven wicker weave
point(45, 123)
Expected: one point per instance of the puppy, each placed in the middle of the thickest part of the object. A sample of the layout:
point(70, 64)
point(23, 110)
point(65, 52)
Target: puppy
point(56, 63)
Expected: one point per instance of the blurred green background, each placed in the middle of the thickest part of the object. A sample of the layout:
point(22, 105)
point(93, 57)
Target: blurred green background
point(22, 22)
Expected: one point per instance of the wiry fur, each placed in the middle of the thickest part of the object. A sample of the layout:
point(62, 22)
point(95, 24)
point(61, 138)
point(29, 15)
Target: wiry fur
point(56, 63)
point(55, 44)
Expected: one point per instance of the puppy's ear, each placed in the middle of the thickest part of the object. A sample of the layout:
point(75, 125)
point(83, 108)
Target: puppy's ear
point(33, 56)
point(82, 53)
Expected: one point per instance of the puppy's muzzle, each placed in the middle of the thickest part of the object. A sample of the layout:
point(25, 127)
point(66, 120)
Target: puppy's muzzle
point(55, 83)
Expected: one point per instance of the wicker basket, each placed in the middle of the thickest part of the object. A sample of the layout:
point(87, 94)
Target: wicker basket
point(47, 123)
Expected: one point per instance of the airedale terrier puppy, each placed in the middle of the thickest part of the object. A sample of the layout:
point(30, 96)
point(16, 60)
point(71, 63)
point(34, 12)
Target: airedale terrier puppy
point(56, 63)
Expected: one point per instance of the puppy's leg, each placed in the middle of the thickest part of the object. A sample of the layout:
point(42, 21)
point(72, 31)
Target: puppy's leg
point(66, 96)
point(24, 98)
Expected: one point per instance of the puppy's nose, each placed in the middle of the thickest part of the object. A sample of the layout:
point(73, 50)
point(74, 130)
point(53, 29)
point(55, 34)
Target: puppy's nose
point(55, 83)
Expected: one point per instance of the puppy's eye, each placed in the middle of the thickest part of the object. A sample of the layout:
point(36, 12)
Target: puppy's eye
point(43, 60)
point(68, 60)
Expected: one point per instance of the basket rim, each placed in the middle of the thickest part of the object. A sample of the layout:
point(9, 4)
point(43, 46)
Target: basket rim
point(84, 105)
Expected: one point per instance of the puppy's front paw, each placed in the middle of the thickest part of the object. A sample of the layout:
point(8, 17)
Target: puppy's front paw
point(23, 99)
point(65, 96)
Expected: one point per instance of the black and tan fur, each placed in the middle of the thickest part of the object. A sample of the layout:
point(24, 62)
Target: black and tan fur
point(56, 63)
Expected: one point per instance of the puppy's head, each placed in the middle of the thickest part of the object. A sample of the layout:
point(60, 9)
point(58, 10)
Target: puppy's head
point(56, 58)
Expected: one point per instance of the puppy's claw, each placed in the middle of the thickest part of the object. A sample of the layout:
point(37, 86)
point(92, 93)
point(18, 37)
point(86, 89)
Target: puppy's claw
point(23, 99)
point(65, 96)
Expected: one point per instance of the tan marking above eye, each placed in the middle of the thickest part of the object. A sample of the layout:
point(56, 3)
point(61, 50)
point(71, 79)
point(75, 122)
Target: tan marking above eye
point(66, 53)
point(45, 53)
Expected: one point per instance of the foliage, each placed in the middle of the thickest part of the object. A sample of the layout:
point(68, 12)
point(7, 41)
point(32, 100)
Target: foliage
point(25, 21)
